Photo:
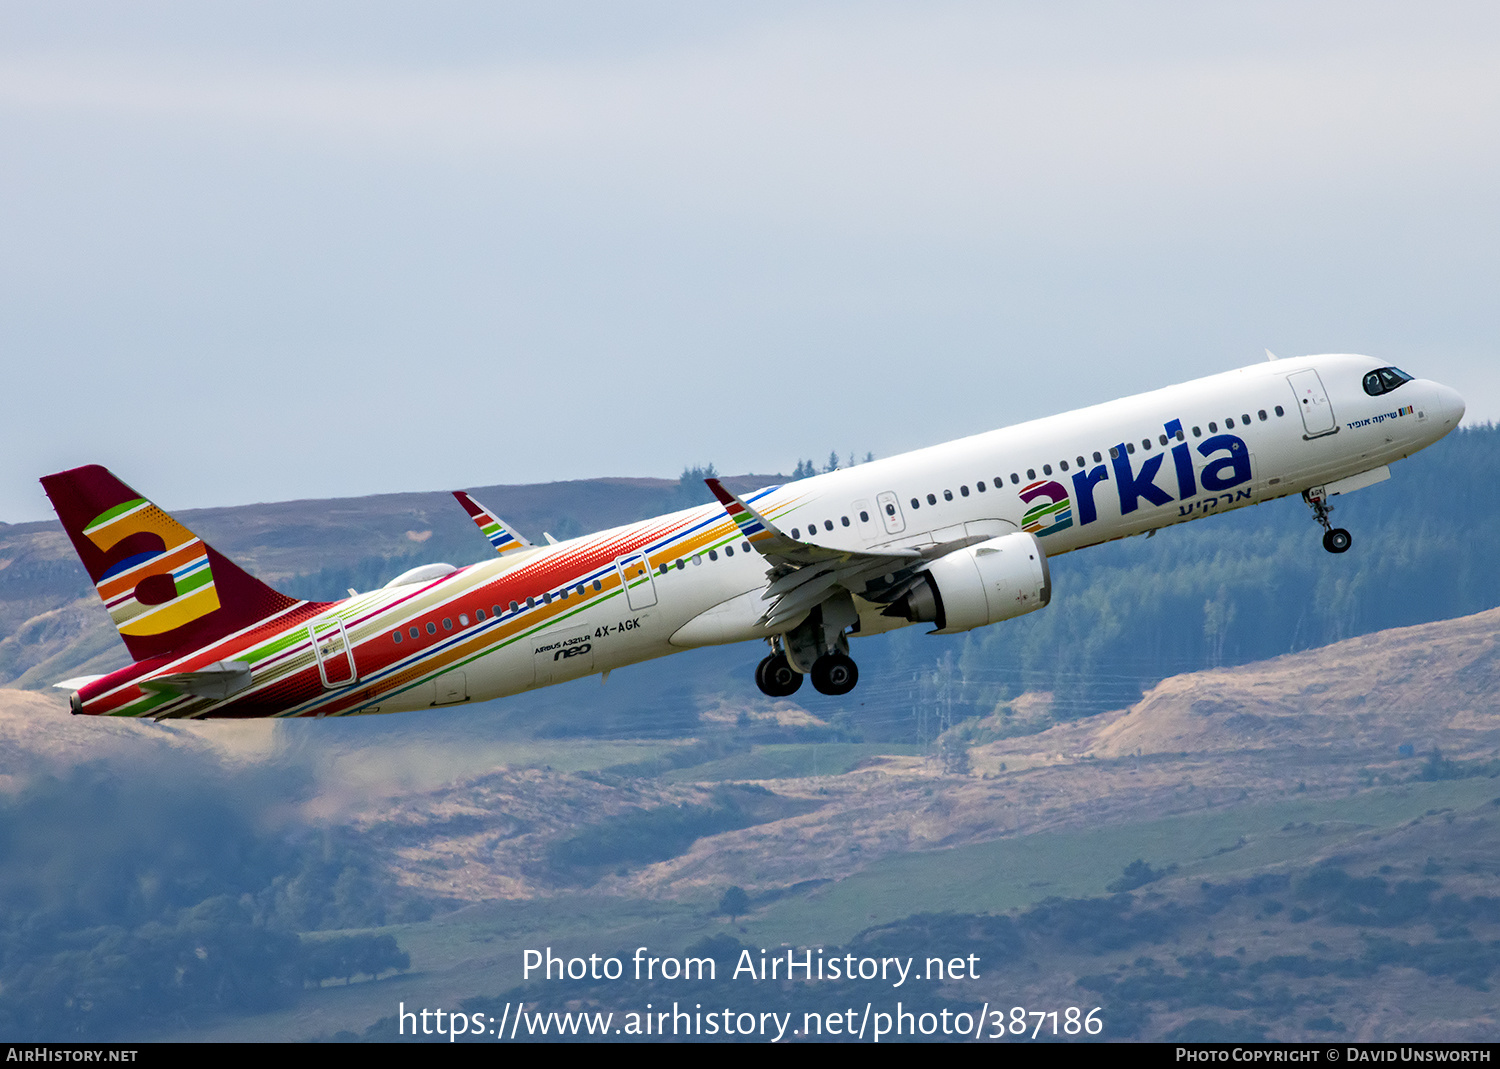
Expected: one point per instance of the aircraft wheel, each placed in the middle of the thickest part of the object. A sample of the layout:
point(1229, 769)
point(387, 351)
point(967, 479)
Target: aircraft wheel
point(776, 678)
point(1337, 540)
point(835, 673)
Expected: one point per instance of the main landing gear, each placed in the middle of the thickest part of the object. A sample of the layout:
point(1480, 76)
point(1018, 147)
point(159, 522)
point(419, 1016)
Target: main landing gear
point(775, 677)
point(1335, 539)
point(816, 647)
point(832, 673)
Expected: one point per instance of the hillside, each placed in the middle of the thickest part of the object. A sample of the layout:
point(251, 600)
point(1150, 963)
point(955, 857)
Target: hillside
point(1301, 847)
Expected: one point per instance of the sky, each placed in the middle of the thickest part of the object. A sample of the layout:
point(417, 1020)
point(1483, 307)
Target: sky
point(288, 250)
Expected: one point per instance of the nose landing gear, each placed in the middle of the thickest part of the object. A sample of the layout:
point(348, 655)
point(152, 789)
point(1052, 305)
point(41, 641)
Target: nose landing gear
point(1335, 539)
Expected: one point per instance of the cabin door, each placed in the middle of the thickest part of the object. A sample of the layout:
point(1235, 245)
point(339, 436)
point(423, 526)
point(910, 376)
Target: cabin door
point(1312, 402)
point(331, 647)
point(635, 576)
point(890, 512)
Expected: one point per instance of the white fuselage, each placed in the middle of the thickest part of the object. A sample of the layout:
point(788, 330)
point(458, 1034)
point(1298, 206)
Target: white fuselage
point(552, 613)
point(974, 485)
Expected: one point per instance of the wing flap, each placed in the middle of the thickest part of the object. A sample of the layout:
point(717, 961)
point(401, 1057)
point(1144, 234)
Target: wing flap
point(804, 575)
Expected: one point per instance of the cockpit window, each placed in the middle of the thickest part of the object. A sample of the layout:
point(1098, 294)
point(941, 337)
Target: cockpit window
point(1384, 380)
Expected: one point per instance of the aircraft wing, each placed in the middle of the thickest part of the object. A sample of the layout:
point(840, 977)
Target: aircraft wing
point(502, 536)
point(804, 574)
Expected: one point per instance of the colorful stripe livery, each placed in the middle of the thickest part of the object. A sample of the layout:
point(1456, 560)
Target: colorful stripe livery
point(491, 526)
point(155, 590)
point(1052, 513)
point(446, 625)
point(165, 589)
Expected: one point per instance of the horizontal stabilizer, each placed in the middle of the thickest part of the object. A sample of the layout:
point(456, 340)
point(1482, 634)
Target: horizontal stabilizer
point(76, 683)
point(218, 681)
point(502, 536)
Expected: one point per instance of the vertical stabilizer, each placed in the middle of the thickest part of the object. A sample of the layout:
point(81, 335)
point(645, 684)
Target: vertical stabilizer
point(165, 588)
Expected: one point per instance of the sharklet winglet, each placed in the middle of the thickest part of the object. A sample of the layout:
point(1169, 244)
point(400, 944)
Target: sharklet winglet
point(501, 535)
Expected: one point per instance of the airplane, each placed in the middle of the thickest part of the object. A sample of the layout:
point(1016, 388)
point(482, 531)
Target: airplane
point(956, 535)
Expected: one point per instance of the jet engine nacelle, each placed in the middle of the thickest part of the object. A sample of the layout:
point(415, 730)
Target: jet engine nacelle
point(992, 581)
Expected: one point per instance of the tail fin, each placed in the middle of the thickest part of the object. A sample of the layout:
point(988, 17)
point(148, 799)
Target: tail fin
point(165, 589)
point(502, 536)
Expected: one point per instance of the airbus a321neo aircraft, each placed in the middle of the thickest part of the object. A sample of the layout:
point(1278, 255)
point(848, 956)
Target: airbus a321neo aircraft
point(955, 535)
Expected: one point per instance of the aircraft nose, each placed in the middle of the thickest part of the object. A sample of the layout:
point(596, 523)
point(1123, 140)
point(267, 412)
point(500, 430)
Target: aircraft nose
point(1449, 405)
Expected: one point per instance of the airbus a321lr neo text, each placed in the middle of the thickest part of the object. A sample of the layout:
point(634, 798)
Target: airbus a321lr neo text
point(956, 536)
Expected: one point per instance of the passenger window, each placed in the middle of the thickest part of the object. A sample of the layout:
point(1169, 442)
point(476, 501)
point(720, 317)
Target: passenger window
point(598, 585)
point(495, 610)
point(447, 623)
point(915, 503)
point(1245, 418)
point(479, 613)
point(697, 559)
point(947, 495)
point(1083, 463)
point(1031, 473)
point(1046, 469)
point(1014, 478)
point(1197, 433)
point(796, 532)
point(1229, 424)
point(547, 598)
point(844, 520)
point(864, 517)
point(463, 619)
point(963, 491)
point(1213, 428)
point(431, 628)
point(531, 603)
point(713, 554)
point(827, 525)
point(662, 568)
point(744, 547)
point(1262, 415)
point(1146, 444)
point(1280, 411)
point(890, 510)
point(1098, 459)
point(1130, 447)
point(415, 633)
point(979, 486)
point(515, 606)
point(397, 636)
point(728, 551)
point(932, 499)
point(1162, 438)
point(1114, 452)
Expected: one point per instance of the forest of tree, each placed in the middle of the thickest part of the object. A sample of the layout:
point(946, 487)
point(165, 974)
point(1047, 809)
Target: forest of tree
point(130, 900)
